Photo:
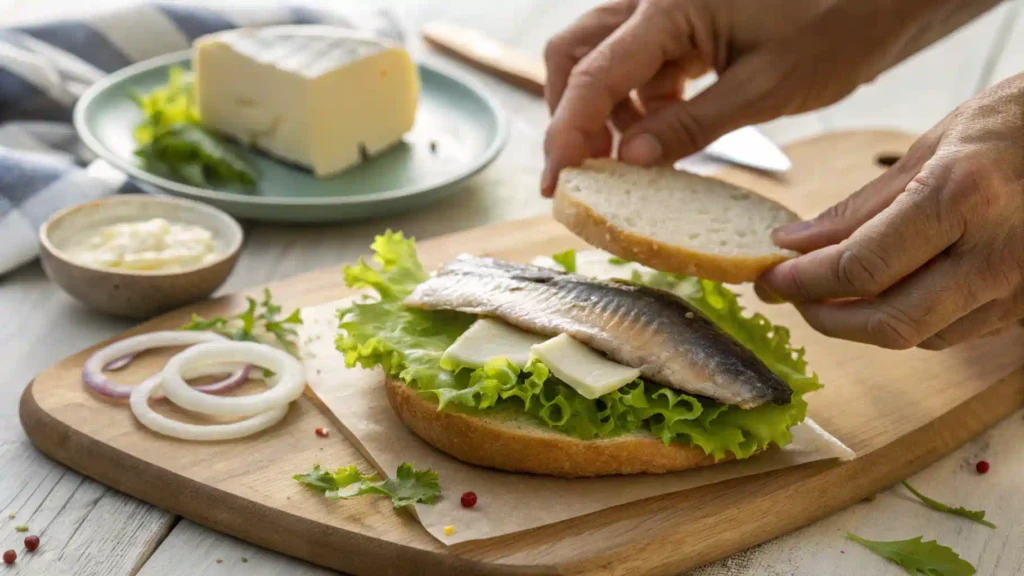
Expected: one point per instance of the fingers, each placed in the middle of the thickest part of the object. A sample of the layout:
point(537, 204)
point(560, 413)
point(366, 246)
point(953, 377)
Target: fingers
point(990, 319)
point(748, 92)
point(766, 295)
point(628, 58)
point(566, 49)
point(903, 237)
point(841, 220)
point(665, 88)
point(626, 113)
point(931, 299)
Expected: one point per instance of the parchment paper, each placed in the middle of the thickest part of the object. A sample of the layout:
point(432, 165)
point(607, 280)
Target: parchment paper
point(507, 502)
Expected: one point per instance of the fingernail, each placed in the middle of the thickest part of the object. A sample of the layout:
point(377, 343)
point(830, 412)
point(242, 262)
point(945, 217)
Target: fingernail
point(547, 182)
point(767, 295)
point(792, 229)
point(643, 149)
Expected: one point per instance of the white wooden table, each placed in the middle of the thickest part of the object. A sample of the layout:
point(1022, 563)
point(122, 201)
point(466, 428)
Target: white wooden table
point(87, 528)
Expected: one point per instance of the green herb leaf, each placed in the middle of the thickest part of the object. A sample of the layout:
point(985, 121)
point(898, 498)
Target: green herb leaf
point(567, 260)
point(258, 323)
point(173, 144)
point(21, 528)
point(975, 515)
point(919, 558)
point(617, 261)
point(188, 153)
point(408, 486)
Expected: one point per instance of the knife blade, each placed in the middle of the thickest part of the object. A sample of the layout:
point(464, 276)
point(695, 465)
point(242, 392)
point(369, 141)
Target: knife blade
point(746, 146)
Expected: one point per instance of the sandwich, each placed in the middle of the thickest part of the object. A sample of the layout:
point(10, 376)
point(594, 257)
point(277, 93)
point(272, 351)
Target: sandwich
point(583, 364)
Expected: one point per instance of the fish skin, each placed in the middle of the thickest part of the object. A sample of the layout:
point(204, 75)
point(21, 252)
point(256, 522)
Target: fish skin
point(668, 340)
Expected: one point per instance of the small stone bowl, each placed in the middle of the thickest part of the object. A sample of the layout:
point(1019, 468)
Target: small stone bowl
point(137, 293)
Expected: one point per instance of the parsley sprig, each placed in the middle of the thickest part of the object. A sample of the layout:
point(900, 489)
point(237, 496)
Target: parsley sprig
point(408, 486)
point(260, 322)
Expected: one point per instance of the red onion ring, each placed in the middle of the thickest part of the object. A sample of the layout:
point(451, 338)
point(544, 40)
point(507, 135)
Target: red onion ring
point(92, 371)
point(119, 363)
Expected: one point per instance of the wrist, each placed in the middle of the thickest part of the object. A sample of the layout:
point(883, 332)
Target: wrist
point(890, 31)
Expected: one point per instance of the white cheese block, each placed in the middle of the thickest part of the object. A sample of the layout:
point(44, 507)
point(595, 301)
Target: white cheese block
point(580, 366)
point(487, 339)
point(318, 96)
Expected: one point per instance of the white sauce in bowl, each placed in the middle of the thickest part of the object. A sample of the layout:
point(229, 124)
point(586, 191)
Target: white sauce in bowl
point(156, 244)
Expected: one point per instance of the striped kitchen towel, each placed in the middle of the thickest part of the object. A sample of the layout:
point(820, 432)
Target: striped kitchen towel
point(45, 67)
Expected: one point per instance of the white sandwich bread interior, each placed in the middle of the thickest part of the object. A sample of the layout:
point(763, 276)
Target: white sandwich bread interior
point(672, 221)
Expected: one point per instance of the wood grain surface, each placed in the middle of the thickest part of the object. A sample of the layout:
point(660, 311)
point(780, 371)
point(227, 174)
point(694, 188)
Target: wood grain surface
point(899, 411)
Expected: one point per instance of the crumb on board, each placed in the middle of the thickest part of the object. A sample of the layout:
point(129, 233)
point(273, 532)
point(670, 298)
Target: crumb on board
point(449, 530)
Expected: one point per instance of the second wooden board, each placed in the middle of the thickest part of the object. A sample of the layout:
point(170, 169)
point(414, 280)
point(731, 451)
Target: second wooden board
point(899, 411)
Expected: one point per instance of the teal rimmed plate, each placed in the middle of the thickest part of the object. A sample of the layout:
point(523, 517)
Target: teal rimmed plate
point(459, 130)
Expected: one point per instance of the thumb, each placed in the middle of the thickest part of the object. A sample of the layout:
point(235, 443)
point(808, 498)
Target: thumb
point(841, 220)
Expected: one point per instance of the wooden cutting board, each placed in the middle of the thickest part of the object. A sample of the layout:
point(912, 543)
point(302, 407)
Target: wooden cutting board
point(900, 411)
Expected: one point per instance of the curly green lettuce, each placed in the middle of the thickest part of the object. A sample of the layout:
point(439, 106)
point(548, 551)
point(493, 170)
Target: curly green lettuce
point(408, 344)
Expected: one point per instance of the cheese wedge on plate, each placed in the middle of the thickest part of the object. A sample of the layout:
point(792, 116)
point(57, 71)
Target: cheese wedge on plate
point(318, 96)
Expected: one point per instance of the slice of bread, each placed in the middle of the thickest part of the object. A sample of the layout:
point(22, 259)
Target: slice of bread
point(515, 443)
point(672, 221)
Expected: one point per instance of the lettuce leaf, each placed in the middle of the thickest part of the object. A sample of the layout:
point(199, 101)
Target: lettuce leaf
point(567, 260)
point(260, 322)
point(409, 343)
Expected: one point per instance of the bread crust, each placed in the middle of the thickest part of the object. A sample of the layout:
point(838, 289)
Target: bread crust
point(491, 443)
point(597, 231)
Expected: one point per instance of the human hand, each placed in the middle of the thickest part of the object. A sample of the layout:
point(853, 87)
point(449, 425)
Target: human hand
point(931, 253)
point(624, 63)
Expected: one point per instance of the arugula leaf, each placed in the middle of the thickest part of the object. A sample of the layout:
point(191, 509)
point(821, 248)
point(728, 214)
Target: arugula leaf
point(260, 322)
point(919, 558)
point(407, 487)
point(617, 261)
point(975, 515)
point(567, 260)
point(325, 481)
point(173, 144)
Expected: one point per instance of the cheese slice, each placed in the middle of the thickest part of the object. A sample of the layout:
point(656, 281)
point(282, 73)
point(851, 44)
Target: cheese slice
point(319, 96)
point(487, 339)
point(580, 366)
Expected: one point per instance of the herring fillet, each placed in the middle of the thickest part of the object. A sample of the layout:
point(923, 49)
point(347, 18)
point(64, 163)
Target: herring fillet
point(668, 340)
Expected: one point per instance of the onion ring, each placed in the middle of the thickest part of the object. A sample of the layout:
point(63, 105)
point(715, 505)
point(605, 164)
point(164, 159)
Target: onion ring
point(92, 371)
point(119, 363)
point(139, 402)
point(289, 381)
